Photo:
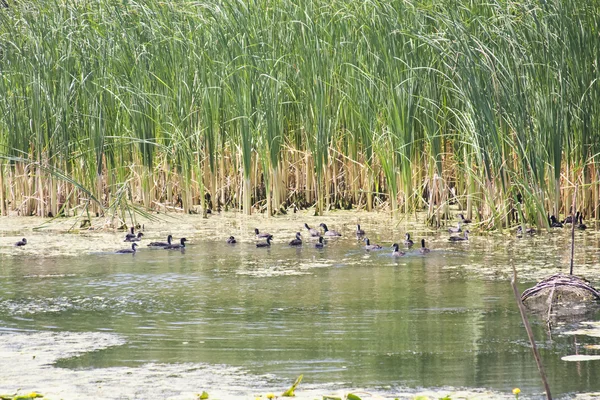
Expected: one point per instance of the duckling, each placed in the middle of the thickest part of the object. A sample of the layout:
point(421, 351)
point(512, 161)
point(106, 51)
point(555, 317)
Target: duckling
point(396, 252)
point(455, 230)
point(313, 232)
point(231, 240)
point(581, 225)
point(460, 238)
point(423, 249)
point(261, 235)
point(463, 219)
point(21, 242)
point(130, 235)
point(132, 250)
point(408, 241)
point(179, 246)
point(359, 232)
point(529, 231)
point(319, 244)
point(554, 223)
point(162, 244)
point(267, 243)
point(297, 241)
point(370, 246)
point(135, 238)
point(327, 232)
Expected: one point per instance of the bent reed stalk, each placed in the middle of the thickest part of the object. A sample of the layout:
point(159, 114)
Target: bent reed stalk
point(269, 104)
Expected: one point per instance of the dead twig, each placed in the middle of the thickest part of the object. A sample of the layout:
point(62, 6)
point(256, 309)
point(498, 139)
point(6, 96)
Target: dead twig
point(523, 312)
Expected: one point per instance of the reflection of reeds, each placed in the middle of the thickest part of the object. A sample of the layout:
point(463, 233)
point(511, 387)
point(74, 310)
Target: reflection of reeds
point(267, 104)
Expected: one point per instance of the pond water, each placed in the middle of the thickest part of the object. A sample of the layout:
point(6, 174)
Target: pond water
point(78, 320)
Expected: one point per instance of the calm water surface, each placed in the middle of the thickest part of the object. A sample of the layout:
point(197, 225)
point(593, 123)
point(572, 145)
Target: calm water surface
point(343, 317)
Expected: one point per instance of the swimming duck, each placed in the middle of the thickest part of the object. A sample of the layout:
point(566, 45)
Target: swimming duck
point(327, 232)
point(128, 251)
point(396, 252)
point(313, 232)
point(581, 226)
point(359, 232)
point(463, 219)
point(21, 242)
point(231, 240)
point(554, 223)
point(455, 230)
point(130, 235)
point(423, 249)
point(297, 241)
point(407, 240)
point(135, 238)
point(369, 246)
point(267, 243)
point(261, 235)
point(460, 238)
point(162, 244)
point(179, 246)
point(319, 244)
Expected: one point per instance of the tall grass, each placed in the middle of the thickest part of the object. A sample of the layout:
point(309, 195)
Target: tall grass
point(264, 104)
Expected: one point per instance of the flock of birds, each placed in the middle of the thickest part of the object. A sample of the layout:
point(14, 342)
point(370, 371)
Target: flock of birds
point(315, 233)
point(168, 245)
point(266, 238)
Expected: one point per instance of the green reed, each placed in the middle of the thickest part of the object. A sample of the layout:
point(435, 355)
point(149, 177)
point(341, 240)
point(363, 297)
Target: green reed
point(397, 105)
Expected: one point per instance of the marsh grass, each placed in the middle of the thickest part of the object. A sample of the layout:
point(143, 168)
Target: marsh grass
point(264, 105)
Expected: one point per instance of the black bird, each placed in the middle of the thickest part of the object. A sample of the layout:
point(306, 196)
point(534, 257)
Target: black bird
point(162, 244)
point(396, 252)
point(179, 246)
point(455, 230)
point(581, 225)
point(327, 232)
point(569, 218)
point(135, 238)
point(370, 246)
point(359, 232)
point(408, 241)
point(261, 235)
point(463, 219)
point(21, 242)
point(231, 240)
point(313, 232)
point(554, 223)
point(423, 249)
point(319, 244)
point(130, 235)
point(128, 251)
point(267, 243)
point(460, 238)
point(297, 241)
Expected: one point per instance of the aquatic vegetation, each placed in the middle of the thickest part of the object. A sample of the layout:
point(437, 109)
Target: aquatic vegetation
point(292, 389)
point(31, 395)
point(119, 108)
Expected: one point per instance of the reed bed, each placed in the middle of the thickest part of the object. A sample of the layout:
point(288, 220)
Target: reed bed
point(269, 104)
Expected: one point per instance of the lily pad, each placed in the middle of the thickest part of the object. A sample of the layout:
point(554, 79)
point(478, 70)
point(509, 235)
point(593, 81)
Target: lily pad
point(580, 357)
